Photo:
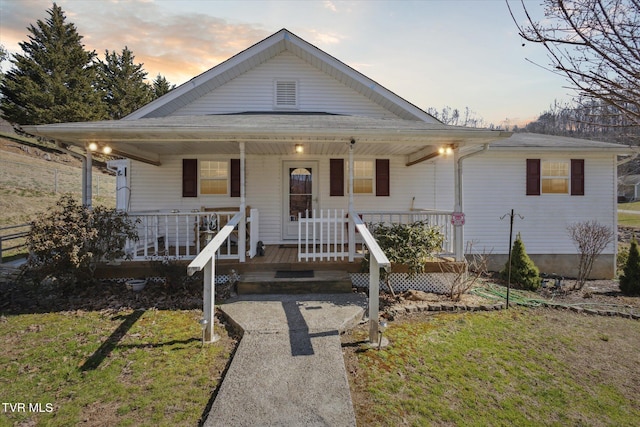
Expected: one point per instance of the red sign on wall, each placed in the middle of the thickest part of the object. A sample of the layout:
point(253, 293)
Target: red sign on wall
point(457, 218)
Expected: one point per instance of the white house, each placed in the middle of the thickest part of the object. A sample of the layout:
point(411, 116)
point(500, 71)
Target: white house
point(283, 128)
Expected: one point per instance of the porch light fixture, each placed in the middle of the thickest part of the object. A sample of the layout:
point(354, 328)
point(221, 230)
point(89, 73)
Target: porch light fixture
point(93, 146)
point(446, 149)
point(299, 148)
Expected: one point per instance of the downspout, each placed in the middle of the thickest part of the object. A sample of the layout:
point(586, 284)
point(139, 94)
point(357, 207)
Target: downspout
point(242, 227)
point(86, 172)
point(458, 229)
point(615, 199)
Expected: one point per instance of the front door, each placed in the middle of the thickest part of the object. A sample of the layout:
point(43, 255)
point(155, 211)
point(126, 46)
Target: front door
point(300, 187)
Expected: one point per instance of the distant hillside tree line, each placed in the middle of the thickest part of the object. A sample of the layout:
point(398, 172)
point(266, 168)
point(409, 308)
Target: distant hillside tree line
point(56, 80)
point(593, 119)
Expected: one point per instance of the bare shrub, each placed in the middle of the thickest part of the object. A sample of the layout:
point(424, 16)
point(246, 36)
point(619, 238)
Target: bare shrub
point(590, 238)
point(460, 280)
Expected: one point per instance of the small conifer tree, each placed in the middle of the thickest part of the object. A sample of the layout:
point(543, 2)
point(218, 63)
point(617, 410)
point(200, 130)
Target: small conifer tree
point(630, 279)
point(524, 273)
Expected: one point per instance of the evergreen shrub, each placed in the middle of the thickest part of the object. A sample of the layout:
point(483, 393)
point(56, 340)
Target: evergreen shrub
point(524, 273)
point(630, 278)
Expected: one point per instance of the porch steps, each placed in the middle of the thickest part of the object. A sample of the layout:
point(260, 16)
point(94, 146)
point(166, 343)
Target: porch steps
point(322, 282)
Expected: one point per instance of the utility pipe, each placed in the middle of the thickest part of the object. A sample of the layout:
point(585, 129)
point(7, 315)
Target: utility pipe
point(458, 229)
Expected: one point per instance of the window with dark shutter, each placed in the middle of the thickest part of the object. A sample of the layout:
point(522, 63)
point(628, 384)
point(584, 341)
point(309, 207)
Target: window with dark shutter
point(533, 177)
point(336, 176)
point(382, 177)
point(235, 177)
point(577, 177)
point(189, 178)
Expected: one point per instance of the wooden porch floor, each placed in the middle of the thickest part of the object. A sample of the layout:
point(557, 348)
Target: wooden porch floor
point(285, 257)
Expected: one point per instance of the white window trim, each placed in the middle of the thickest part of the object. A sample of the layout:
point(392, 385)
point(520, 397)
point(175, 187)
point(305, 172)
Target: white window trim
point(296, 84)
point(228, 178)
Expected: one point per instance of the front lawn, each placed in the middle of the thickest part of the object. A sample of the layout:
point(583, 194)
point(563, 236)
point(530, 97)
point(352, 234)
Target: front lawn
point(519, 367)
point(629, 219)
point(128, 367)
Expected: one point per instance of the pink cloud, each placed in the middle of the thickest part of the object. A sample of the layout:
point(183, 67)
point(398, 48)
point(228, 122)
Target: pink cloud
point(178, 46)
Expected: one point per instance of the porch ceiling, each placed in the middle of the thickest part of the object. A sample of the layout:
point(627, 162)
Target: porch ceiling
point(276, 134)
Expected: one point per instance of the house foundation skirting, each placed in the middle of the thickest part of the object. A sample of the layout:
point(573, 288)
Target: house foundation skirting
point(564, 265)
point(437, 283)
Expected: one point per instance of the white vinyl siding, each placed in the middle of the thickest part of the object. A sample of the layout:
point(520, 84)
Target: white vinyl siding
point(254, 91)
point(495, 183)
point(159, 189)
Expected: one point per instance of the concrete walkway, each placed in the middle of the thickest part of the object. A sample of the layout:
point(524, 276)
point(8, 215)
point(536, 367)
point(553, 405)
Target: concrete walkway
point(288, 369)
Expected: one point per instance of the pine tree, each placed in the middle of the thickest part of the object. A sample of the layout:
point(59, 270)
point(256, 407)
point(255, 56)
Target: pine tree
point(524, 272)
point(630, 279)
point(53, 80)
point(161, 86)
point(3, 56)
point(122, 83)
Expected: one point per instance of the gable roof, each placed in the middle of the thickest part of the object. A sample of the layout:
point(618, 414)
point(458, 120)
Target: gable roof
point(283, 40)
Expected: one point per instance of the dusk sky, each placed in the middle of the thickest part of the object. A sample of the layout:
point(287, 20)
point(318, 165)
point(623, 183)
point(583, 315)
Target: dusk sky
point(432, 53)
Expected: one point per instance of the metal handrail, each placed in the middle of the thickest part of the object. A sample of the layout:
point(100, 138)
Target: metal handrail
point(377, 260)
point(206, 261)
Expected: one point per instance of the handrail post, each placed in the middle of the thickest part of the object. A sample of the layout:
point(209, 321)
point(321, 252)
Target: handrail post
point(374, 297)
point(209, 301)
point(352, 239)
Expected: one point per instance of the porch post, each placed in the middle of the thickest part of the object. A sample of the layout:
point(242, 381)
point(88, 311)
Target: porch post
point(242, 226)
point(458, 232)
point(87, 179)
point(352, 232)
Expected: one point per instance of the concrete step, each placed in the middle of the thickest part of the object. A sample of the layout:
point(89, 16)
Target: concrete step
point(321, 282)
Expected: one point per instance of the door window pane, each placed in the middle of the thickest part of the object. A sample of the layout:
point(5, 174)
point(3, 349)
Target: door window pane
point(300, 192)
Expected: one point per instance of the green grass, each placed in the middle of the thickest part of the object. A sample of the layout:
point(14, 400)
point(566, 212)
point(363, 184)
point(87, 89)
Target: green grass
point(634, 206)
point(108, 368)
point(628, 219)
point(517, 367)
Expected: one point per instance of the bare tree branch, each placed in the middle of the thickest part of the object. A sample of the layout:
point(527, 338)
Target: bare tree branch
point(595, 44)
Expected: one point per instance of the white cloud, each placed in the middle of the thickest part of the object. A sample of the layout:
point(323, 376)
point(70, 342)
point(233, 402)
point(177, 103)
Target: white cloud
point(328, 4)
point(322, 38)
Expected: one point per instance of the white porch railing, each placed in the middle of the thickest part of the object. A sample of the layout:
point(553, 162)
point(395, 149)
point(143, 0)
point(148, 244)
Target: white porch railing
point(439, 219)
point(323, 235)
point(206, 260)
point(181, 235)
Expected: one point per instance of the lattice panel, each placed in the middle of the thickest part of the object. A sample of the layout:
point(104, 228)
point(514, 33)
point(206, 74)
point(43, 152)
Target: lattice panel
point(427, 282)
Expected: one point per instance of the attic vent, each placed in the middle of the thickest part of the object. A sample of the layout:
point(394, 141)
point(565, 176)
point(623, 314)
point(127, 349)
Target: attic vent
point(286, 94)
